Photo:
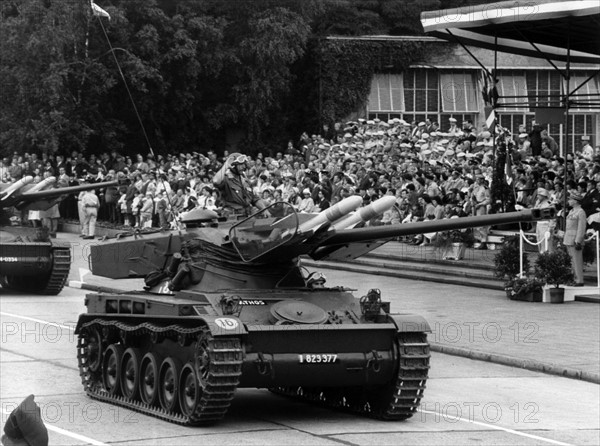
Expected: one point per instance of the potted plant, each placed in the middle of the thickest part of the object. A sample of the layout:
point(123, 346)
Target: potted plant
point(453, 243)
point(526, 289)
point(506, 263)
point(554, 268)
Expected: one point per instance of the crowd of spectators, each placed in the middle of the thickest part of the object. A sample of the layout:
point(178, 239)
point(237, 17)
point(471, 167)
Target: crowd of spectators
point(433, 173)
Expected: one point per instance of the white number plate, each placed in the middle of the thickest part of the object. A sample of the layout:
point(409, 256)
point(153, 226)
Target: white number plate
point(318, 358)
point(9, 259)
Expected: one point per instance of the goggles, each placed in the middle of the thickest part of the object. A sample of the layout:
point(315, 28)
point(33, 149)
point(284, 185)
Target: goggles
point(239, 159)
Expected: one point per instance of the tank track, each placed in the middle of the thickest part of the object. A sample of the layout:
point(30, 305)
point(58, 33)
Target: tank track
point(220, 381)
point(393, 402)
point(61, 264)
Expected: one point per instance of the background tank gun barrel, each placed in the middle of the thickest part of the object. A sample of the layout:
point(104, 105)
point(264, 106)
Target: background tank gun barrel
point(22, 195)
point(44, 184)
point(49, 193)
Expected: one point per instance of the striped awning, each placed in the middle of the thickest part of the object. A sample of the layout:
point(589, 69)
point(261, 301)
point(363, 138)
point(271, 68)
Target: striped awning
point(540, 28)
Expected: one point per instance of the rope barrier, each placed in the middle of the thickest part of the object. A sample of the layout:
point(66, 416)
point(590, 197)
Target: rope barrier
point(546, 240)
point(522, 237)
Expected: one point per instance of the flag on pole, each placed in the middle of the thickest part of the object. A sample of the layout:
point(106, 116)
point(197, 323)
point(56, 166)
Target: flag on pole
point(491, 121)
point(508, 168)
point(98, 11)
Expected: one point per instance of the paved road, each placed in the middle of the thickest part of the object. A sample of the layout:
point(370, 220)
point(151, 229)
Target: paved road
point(467, 402)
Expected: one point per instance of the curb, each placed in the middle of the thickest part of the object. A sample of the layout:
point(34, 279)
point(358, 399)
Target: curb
point(527, 364)
point(535, 366)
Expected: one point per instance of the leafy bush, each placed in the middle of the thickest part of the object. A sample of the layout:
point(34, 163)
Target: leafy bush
point(444, 239)
point(506, 261)
point(524, 285)
point(554, 267)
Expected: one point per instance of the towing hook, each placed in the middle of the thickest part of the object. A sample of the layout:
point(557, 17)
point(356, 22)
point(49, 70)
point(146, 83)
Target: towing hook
point(375, 361)
point(263, 365)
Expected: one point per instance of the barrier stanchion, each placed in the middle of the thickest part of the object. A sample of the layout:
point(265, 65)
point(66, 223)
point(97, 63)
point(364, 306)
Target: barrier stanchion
point(545, 240)
point(594, 234)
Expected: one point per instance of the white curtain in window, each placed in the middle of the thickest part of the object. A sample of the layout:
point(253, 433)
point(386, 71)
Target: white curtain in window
point(509, 86)
point(588, 93)
point(459, 92)
point(387, 93)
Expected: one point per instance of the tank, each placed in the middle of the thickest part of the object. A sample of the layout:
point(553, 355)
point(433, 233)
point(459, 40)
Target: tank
point(30, 261)
point(231, 306)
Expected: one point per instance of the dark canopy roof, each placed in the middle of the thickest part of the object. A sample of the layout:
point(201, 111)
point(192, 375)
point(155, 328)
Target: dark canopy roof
point(551, 25)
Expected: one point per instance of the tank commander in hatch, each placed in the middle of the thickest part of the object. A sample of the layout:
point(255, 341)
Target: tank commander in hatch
point(231, 181)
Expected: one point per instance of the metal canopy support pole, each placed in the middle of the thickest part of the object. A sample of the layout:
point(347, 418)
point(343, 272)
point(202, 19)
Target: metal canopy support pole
point(567, 100)
point(457, 40)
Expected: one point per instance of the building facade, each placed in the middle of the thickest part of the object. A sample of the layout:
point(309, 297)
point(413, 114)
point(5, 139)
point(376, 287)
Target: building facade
point(450, 84)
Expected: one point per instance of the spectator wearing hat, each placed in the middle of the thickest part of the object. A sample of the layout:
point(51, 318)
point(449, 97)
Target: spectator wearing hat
point(307, 204)
point(550, 142)
point(481, 199)
point(574, 234)
point(81, 209)
point(90, 205)
point(591, 198)
point(147, 210)
point(453, 130)
point(161, 207)
point(431, 187)
point(544, 226)
point(140, 164)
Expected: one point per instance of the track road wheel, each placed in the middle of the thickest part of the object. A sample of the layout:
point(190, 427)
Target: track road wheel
point(189, 390)
point(92, 351)
point(130, 374)
point(111, 369)
point(170, 370)
point(149, 384)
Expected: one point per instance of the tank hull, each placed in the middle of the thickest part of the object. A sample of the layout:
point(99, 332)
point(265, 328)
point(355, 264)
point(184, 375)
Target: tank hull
point(37, 267)
point(348, 361)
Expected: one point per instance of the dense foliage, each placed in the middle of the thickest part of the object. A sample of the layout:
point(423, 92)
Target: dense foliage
point(261, 69)
point(554, 268)
point(506, 261)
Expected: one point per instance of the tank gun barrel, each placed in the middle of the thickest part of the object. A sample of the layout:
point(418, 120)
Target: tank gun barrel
point(72, 189)
point(383, 232)
point(21, 195)
point(282, 240)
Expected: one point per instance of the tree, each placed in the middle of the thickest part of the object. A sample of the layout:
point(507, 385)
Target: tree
point(176, 74)
point(42, 48)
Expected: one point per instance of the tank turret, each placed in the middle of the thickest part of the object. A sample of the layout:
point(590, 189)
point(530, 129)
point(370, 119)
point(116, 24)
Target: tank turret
point(29, 260)
point(229, 305)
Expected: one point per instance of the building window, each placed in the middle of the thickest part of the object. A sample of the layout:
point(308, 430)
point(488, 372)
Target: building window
point(588, 95)
point(543, 88)
point(512, 89)
point(387, 93)
point(580, 124)
point(421, 91)
point(512, 121)
point(459, 92)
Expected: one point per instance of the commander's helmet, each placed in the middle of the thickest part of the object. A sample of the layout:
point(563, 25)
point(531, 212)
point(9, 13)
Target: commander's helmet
point(237, 158)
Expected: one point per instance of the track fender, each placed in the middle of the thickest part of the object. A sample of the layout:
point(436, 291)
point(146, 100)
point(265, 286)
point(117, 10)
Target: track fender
point(224, 325)
point(218, 325)
point(410, 323)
